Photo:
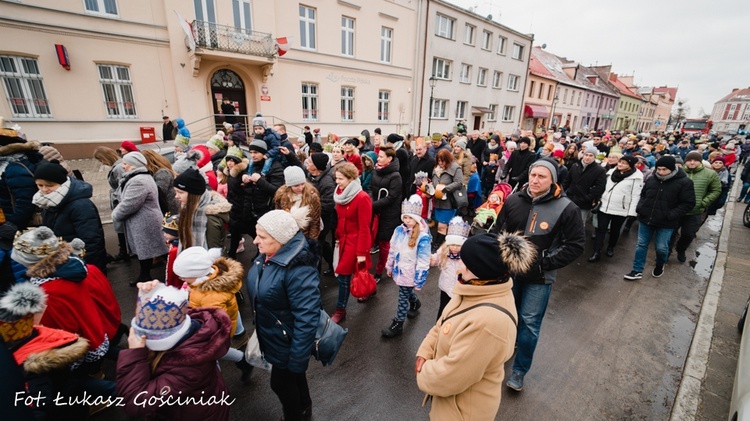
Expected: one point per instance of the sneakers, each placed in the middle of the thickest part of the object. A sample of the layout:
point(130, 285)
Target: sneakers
point(515, 381)
point(658, 271)
point(681, 257)
point(375, 250)
point(395, 329)
point(633, 276)
point(413, 308)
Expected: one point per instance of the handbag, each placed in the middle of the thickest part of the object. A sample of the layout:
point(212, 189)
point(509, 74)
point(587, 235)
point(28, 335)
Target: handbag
point(596, 207)
point(363, 283)
point(459, 198)
point(253, 356)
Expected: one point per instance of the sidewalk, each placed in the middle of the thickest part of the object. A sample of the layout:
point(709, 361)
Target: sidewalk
point(95, 174)
point(706, 388)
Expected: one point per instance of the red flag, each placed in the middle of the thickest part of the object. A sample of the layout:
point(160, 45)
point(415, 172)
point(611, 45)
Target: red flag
point(282, 46)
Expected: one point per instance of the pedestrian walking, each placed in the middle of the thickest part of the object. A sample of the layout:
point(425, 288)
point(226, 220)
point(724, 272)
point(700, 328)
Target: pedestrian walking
point(519, 162)
point(18, 161)
point(447, 178)
point(203, 213)
point(448, 259)
point(300, 198)
point(109, 157)
point(385, 191)
point(585, 183)
point(718, 164)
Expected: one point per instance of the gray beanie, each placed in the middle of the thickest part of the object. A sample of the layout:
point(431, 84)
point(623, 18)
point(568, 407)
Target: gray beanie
point(548, 164)
point(135, 159)
point(293, 176)
point(591, 150)
point(34, 245)
point(259, 120)
point(461, 143)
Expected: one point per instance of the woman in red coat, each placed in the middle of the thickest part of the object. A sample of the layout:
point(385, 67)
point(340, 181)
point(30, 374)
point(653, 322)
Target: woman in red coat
point(354, 210)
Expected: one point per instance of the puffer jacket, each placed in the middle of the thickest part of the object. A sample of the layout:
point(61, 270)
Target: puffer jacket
point(283, 290)
point(584, 186)
point(258, 196)
point(663, 202)
point(385, 190)
point(409, 265)
point(218, 290)
point(235, 189)
point(707, 187)
point(217, 217)
point(18, 162)
point(620, 199)
point(452, 178)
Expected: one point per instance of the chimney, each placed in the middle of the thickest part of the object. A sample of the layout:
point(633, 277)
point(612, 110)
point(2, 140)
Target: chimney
point(613, 77)
point(735, 90)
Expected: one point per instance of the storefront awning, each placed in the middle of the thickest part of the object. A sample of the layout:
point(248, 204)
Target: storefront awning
point(539, 111)
point(481, 110)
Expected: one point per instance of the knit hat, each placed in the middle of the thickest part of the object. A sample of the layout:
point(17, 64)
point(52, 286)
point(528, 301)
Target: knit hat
point(377, 130)
point(161, 315)
point(592, 150)
point(693, 156)
point(320, 160)
point(394, 137)
point(51, 171)
point(558, 153)
point(258, 145)
point(191, 181)
point(351, 141)
point(196, 262)
point(34, 245)
point(458, 231)
point(293, 176)
point(496, 257)
point(666, 161)
point(316, 147)
point(718, 158)
point(412, 208)
point(511, 144)
point(279, 224)
point(190, 160)
point(135, 159)
point(548, 164)
point(78, 247)
point(182, 142)
point(17, 309)
point(259, 120)
point(437, 136)
point(461, 143)
point(235, 154)
point(216, 142)
point(129, 146)
point(525, 140)
point(169, 224)
point(630, 159)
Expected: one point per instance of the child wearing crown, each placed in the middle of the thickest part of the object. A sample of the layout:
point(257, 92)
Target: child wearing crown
point(408, 262)
point(448, 259)
point(169, 228)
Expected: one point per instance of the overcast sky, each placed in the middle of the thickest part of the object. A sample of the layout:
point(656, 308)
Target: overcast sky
point(700, 47)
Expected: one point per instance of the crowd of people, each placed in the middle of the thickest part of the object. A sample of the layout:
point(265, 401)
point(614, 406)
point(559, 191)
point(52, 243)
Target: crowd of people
point(496, 214)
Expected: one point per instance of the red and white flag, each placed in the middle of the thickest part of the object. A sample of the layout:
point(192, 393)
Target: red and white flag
point(282, 46)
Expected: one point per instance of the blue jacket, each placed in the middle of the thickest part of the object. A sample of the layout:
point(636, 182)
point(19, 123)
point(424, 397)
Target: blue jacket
point(18, 162)
point(287, 289)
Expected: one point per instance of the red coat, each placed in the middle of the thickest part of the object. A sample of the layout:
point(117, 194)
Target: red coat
point(353, 233)
point(105, 300)
point(356, 160)
point(171, 278)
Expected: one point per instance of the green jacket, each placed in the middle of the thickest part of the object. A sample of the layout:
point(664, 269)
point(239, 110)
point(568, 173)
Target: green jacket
point(707, 187)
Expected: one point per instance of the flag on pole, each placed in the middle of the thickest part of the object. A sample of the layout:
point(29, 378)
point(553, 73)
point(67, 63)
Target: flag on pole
point(282, 46)
point(188, 31)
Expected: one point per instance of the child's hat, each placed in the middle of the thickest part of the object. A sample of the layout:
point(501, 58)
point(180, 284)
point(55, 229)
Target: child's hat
point(169, 224)
point(458, 231)
point(17, 309)
point(196, 262)
point(412, 208)
point(161, 315)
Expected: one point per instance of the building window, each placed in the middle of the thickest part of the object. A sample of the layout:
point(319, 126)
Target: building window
point(347, 36)
point(501, 42)
point(347, 103)
point(579, 97)
point(461, 107)
point(118, 91)
point(482, 77)
point(508, 113)
point(587, 100)
point(549, 93)
point(541, 89)
point(517, 52)
point(386, 40)
point(24, 87)
point(101, 7)
point(307, 27)
point(497, 79)
point(565, 96)
point(465, 76)
point(531, 89)
point(242, 17)
point(439, 107)
point(513, 83)
point(384, 99)
point(469, 34)
point(444, 26)
point(309, 102)
point(486, 40)
point(441, 68)
point(492, 115)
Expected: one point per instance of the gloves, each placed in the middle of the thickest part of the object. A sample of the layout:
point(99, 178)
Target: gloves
point(546, 263)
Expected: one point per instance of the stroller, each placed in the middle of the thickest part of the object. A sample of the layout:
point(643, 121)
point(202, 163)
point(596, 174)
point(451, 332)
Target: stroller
point(486, 213)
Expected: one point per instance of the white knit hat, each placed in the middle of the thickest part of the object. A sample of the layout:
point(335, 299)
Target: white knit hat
point(293, 176)
point(196, 262)
point(161, 316)
point(279, 224)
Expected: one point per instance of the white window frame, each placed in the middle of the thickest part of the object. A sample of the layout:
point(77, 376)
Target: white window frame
point(501, 43)
point(517, 51)
point(101, 7)
point(384, 105)
point(121, 86)
point(497, 80)
point(580, 94)
point(482, 77)
point(565, 96)
point(513, 82)
point(441, 68)
point(242, 10)
point(461, 107)
point(347, 103)
point(347, 36)
point(486, 40)
point(508, 112)
point(469, 33)
point(386, 44)
point(307, 28)
point(24, 87)
point(441, 106)
point(492, 115)
point(444, 26)
point(309, 101)
point(465, 76)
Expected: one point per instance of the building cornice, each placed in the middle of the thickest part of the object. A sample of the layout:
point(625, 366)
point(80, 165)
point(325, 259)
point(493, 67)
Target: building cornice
point(353, 68)
point(79, 32)
point(86, 15)
point(528, 37)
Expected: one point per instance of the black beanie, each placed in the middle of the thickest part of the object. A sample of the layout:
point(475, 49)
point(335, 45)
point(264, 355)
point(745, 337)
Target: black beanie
point(51, 171)
point(525, 140)
point(393, 138)
point(191, 181)
point(320, 160)
point(316, 147)
point(378, 130)
point(630, 159)
point(666, 161)
point(496, 257)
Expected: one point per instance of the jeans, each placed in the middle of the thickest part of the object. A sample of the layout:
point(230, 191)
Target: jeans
point(293, 392)
point(344, 281)
point(661, 238)
point(585, 213)
point(689, 226)
point(743, 192)
point(531, 304)
point(603, 221)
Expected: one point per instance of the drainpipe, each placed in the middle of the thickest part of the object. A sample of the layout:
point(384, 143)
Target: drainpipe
point(424, 68)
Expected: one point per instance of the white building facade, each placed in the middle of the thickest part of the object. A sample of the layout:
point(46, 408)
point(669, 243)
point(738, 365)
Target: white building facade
point(731, 114)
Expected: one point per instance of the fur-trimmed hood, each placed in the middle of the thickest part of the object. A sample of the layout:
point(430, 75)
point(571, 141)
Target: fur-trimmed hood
point(229, 278)
point(15, 148)
point(47, 354)
point(240, 168)
point(48, 266)
point(218, 204)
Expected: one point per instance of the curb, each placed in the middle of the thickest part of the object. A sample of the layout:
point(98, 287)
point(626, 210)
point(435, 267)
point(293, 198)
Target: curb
point(688, 395)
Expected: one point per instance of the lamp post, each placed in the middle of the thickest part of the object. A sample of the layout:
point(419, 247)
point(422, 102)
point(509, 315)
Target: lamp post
point(609, 126)
point(433, 82)
point(552, 114)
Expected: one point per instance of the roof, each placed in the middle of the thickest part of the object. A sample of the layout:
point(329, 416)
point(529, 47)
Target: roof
point(672, 91)
point(737, 95)
point(537, 68)
point(554, 65)
point(584, 73)
point(623, 88)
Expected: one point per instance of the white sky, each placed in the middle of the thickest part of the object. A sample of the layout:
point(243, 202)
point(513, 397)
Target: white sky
point(700, 47)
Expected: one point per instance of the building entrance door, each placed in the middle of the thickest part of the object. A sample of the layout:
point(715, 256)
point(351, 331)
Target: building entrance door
point(477, 122)
point(226, 84)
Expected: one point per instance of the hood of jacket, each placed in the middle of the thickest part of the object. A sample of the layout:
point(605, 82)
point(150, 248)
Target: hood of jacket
point(78, 190)
point(14, 148)
point(239, 168)
point(210, 342)
point(555, 192)
point(60, 264)
point(230, 279)
point(218, 204)
point(46, 354)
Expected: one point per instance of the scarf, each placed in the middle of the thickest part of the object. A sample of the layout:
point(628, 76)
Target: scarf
point(618, 176)
point(454, 256)
point(723, 177)
point(665, 177)
point(200, 220)
point(16, 158)
point(53, 199)
point(348, 194)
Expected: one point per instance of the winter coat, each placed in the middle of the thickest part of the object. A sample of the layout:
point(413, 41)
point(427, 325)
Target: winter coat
point(284, 288)
point(218, 290)
point(355, 159)
point(518, 165)
point(353, 232)
point(217, 217)
point(115, 174)
point(409, 265)
point(217, 158)
point(448, 274)
point(258, 196)
point(18, 162)
point(552, 223)
point(165, 186)
point(476, 147)
point(284, 201)
point(452, 178)
point(465, 163)
point(664, 202)
point(465, 356)
point(236, 191)
point(620, 199)
point(707, 187)
point(745, 175)
point(189, 370)
point(77, 217)
point(584, 186)
point(139, 211)
point(385, 190)
point(403, 156)
point(326, 185)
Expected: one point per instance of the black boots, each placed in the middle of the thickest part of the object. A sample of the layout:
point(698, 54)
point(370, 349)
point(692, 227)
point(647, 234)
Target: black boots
point(438, 241)
point(595, 257)
point(610, 251)
point(413, 308)
point(395, 329)
point(245, 368)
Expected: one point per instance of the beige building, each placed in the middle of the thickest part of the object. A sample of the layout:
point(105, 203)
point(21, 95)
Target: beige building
point(541, 89)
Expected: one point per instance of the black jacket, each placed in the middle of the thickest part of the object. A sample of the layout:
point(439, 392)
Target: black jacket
point(385, 191)
point(326, 186)
point(258, 197)
point(518, 165)
point(417, 164)
point(553, 224)
point(664, 202)
point(584, 186)
point(476, 147)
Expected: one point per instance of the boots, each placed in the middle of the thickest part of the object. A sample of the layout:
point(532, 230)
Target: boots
point(595, 257)
point(339, 315)
point(395, 329)
point(123, 255)
point(246, 370)
point(413, 308)
point(610, 251)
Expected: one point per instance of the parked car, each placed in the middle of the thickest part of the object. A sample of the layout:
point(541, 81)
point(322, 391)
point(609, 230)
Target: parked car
point(739, 408)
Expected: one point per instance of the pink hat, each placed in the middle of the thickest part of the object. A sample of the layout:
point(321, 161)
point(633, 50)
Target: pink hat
point(129, 146)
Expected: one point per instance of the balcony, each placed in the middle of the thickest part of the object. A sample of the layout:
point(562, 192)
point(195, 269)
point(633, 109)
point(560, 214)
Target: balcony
point(214, 39)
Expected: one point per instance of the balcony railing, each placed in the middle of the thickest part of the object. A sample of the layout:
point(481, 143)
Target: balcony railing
point(231, 39)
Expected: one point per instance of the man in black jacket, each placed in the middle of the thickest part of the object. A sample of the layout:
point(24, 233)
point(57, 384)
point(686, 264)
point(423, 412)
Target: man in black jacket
point(519, 163)
point(552, 223)
point(259, 190)
point(586, 182)
point(476, 145)
point(666, 196)
point(321, 177)
point(421, 161)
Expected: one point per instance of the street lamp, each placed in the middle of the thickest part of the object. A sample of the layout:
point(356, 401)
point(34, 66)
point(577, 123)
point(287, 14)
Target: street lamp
point(433, 82)
point(552, 114)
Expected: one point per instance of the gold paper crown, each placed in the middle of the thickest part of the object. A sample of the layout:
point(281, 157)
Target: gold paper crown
point(170, 222)
point(19, 329)
point(24, 246)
